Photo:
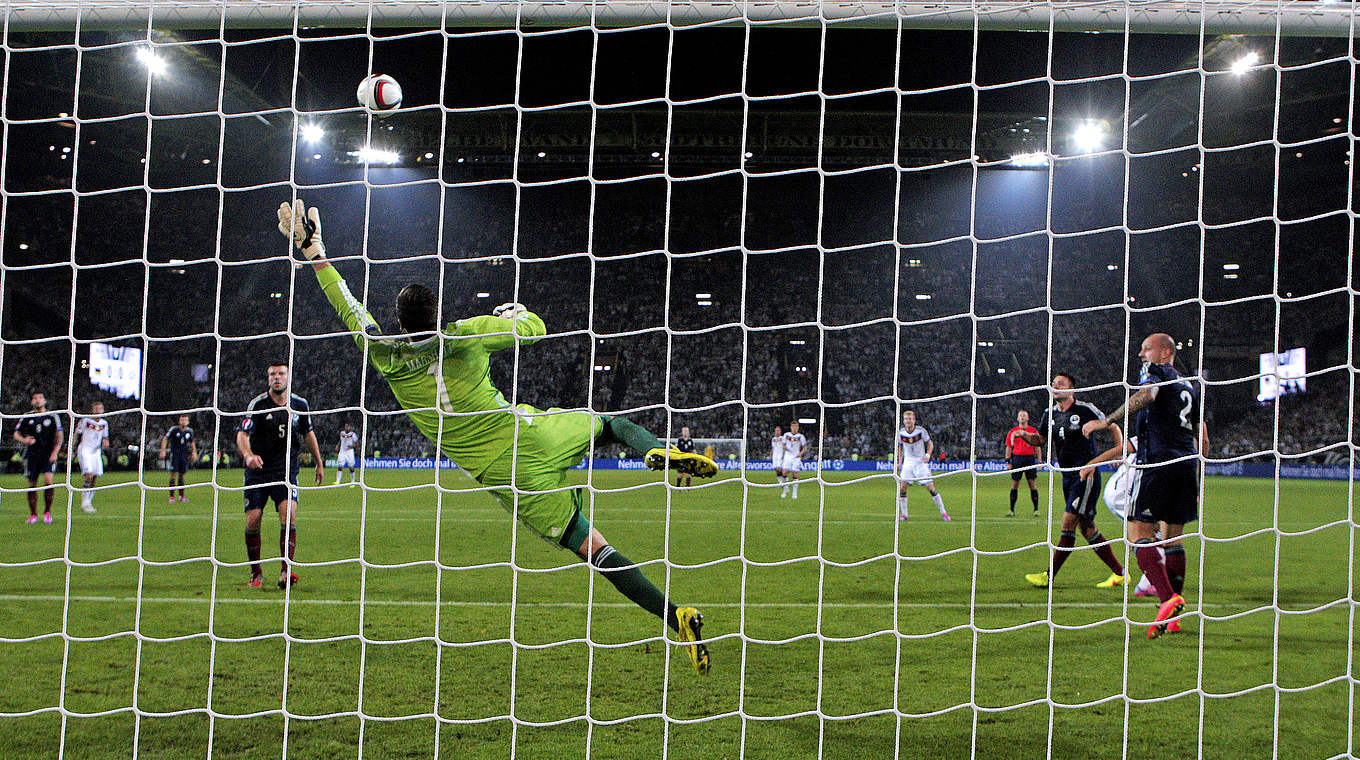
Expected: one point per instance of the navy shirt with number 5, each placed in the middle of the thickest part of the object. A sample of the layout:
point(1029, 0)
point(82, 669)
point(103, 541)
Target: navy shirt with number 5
point(1166, 428)
point(275, 435)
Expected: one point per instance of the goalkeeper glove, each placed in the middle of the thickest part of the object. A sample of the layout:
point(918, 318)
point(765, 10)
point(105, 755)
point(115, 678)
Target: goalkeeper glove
point(508, 310)
point(303, 228)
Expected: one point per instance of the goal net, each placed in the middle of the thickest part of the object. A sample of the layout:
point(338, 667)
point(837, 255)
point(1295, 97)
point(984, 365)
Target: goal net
point(731, 218)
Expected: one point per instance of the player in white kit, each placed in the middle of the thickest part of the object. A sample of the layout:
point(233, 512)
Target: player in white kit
point(777, 455)
point(92, 437)
point(795, 447)
point(912, 455)
point(348, 441)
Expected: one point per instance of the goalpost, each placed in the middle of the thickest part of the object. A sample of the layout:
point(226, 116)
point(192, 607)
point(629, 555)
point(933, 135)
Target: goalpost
point(962, 231)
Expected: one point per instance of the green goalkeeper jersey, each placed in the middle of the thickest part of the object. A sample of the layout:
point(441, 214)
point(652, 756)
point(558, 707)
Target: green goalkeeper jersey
point(451, 401)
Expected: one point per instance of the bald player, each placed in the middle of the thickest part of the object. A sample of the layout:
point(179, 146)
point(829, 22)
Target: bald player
point(1165, 490)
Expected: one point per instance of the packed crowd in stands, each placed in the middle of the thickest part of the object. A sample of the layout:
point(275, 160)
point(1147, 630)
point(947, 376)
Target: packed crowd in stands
point(847, 334)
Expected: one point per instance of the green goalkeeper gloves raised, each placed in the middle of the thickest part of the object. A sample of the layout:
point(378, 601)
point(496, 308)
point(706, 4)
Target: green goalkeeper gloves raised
point(303, 228)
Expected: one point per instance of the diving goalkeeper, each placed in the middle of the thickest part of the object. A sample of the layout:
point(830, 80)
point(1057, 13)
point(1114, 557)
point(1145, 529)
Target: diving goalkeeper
point(442, 379)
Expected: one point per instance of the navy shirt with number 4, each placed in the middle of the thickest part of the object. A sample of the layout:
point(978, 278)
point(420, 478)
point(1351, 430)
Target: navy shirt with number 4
point(1166, 428)
point(42, 427)
point(1063, 429)
point(276, 435)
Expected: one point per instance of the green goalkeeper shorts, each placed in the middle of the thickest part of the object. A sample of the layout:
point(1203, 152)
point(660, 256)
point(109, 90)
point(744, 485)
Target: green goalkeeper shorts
point(549, 444)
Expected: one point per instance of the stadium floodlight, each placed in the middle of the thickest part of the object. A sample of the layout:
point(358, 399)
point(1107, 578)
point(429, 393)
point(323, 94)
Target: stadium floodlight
point(155, 65)
point(703, 295)
point(1029, 160)
point(1245, 63)
point(1089, 136)
point(311, 132)
point(1231, 267)
point(807, 420)
point(370, 155)
point(703, 303)
point(483, 294)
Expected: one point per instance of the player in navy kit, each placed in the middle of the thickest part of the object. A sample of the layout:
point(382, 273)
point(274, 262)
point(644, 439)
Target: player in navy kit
point(41, 431)
point(1063, 424)
point(182, 451)
point(1165, 490)
point(270, 438)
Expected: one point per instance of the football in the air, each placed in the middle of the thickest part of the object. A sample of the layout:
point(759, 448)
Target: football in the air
point(380, 94)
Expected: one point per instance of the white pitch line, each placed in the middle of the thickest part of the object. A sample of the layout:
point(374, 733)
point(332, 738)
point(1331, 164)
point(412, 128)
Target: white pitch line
point(620, 605)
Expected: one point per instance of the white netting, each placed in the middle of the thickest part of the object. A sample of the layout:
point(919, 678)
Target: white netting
point(730, 217)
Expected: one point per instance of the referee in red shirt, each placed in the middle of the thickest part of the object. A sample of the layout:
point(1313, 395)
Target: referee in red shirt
point(1020, 456)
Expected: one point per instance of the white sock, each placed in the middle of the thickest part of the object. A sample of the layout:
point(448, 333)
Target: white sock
point(939, 503)
point(339, 476)
point(795, 489)
point(902, 506)
point(87, 498)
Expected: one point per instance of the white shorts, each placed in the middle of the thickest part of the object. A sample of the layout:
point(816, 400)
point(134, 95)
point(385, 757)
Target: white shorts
point(91, 462)
point(345, 460)
point(1117, 489)
point(915, 472)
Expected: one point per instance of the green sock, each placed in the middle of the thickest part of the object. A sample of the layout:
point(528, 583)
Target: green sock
point(630, 434)
point(633, 584)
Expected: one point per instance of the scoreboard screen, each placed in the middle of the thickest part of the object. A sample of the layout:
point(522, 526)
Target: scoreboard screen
point(1282, 374)
point(116, 369)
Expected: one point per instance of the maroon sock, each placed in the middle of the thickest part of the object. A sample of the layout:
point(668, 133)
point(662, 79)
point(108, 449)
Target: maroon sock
point(253, 551)
point(1175, 567)
point(1066, 541)
point(1103, 551)
point(47, 499)
point(287, 545)
point(33, 503)
point(1150, 562)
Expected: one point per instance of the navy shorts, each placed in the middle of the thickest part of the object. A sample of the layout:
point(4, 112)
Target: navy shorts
point(258, 496)
point(1020, 462)
point(35, 466)
point(179, 463)
point(1165, 493)
point(1081, 496)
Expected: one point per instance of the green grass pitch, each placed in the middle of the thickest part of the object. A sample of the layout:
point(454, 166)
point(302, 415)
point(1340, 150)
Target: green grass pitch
point(839, 631)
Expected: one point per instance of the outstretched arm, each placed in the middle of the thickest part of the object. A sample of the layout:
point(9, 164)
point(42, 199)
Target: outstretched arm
point(1117, 451)
point(302, 226)
point(1139, 401)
